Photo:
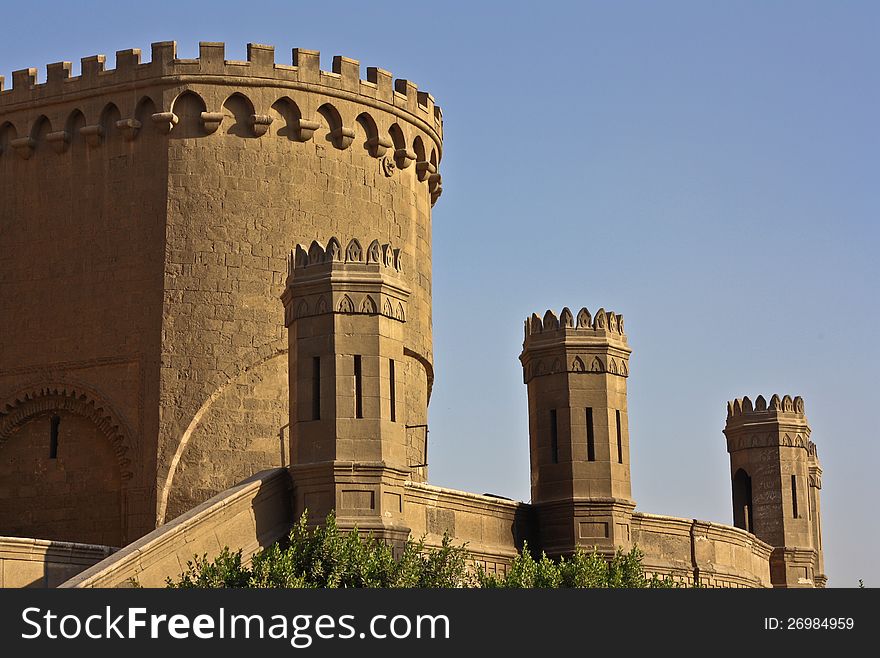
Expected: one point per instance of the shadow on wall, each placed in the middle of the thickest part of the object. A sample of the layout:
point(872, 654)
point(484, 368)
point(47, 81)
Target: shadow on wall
point(250, 516)
point(41, 563)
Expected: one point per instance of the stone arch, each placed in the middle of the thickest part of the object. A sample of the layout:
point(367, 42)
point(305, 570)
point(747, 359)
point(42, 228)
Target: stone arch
point(369, 132)
point(7, 134)
point(398, 139)
point(39, 129)
point(188, 106)
point(73, 489)
point(143, 112)
point(264, 356)
point(76, 121)
point(287, 116)
point(353, 252)
point(403, 156)
point(418, 147)
point(36, 401)
point(238, 110)
point(109, 116)
point(742, 500)
point(337, 134)
point(369, 306)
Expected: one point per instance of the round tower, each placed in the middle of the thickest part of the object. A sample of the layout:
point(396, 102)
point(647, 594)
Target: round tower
point(776, 480)
point(149, 211)
point(576, 370)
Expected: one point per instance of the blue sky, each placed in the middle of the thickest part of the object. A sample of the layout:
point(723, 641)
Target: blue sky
point(710, 170)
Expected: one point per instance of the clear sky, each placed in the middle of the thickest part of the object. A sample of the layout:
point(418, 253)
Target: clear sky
point(710, 170)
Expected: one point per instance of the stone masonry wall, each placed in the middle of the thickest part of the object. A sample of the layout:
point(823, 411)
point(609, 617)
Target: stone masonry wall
point(146, 216)
point(82, 226)
point(237, 204)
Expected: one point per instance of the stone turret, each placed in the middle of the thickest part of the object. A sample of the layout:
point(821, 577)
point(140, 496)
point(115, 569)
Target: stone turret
point(346, 313)
point(776, 481)
point(576, 370)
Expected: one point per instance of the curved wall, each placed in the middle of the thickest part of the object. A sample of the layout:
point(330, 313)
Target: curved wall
point(150, 210)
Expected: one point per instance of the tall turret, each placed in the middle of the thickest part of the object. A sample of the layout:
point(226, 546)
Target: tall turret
point(576, 370)
point(346, 313)
point(776, 481)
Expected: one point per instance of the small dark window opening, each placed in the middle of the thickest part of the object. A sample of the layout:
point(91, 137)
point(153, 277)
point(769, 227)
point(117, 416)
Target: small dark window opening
point(742, 501)
point(316, 388)
point(391, 391)
point(554, 438)
point(591, 438)
point(794, 506)
point(53, 437)
point(619, 440)
point(358, 388)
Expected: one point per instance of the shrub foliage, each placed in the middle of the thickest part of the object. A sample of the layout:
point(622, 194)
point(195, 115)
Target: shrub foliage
point(326, 557)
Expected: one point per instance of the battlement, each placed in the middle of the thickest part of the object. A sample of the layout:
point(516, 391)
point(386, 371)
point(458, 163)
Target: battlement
point(743, 407)
point(607, 322)
point(304, 72)
point(781, 422)
point(380, 255)
point(585, 343)
point(323, 280)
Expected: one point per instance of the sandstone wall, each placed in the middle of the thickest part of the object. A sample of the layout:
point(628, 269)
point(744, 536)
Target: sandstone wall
point(237, 205)
point(40, 563)
point(82, 225)
point(76, 496)
point(249, 516)
point(717, 555)
point(147, 213)
point(493, 529)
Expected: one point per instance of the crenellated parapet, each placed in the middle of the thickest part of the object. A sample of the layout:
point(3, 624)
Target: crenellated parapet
point(389, 118)
point(584, 343)
point(744, 406)
point(351, 281)
point(759, 424)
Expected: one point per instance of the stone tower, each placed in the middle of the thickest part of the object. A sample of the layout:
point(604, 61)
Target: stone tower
point(576, 370)
point(147, 214)
point(776, 480)
point(346, 312)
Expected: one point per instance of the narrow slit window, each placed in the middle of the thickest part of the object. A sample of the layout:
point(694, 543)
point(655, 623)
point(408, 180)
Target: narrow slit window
point(554, 438)
point(358, 388)
point(391, 390)
point(794, 505)
point(53, 437)
point(591, 438)
point(619, 440)
point(316, 388)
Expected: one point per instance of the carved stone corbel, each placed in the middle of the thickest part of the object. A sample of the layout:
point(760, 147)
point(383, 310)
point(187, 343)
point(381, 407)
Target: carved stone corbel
point(211, 121)
point(342, 137)
point(260, 123)
point(24, 146)
point(424, 169)
point(306, 129)
point(164, 121)
point(129, 128)
point(59, 141)
point(404, 157)
point(377, 146)
point(94, 134)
